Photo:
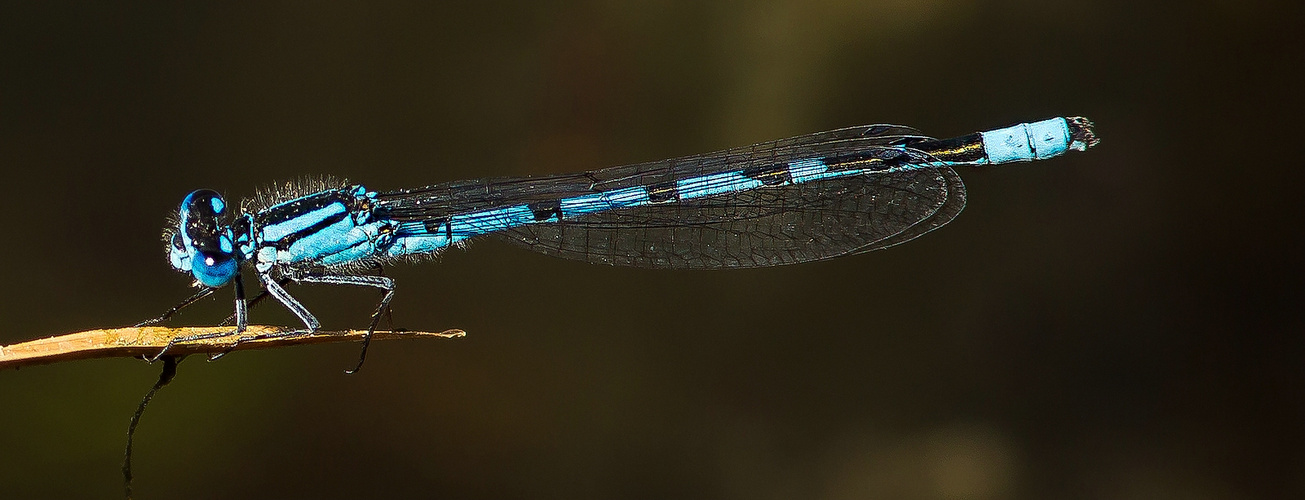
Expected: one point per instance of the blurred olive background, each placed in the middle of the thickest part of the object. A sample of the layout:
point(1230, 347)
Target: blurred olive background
point(1118, 324)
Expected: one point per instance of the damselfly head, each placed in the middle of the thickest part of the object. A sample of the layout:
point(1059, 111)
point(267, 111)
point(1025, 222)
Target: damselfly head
point(202, 243)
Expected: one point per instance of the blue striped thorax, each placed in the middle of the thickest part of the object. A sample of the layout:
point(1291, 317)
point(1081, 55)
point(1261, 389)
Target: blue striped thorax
point(330, 227)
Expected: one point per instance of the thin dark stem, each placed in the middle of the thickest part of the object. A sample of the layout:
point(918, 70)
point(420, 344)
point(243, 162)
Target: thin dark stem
point(169, 371)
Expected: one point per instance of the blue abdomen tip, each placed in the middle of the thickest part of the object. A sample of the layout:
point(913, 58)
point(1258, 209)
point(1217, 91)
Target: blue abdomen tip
point(1027, 141)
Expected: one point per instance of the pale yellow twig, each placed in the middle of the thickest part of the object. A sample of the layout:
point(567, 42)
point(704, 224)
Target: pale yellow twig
point(149, 341)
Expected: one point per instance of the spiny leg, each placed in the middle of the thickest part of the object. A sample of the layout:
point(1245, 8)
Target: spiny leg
point(376, 268)
point(382, 282)
point(273, 287)
point(251, 303)
point(204, 292)
point(278, 292)
point(389, 311)
point(242, 321)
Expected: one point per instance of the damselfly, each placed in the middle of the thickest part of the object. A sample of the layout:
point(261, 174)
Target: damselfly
point(793, 200)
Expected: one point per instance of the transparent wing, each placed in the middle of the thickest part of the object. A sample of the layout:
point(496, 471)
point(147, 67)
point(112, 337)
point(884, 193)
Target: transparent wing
point(764, 227)
point(441, 200)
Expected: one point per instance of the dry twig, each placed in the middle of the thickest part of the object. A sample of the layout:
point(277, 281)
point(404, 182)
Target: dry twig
point(149, 341)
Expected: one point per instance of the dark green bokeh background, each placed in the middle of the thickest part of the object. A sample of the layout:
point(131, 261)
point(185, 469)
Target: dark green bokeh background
point(1119, 324)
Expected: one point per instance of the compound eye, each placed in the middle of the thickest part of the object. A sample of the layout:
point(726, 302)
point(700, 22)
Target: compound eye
point(214, 269)
point(204, 204)
point(205, 240)
point(202, 220)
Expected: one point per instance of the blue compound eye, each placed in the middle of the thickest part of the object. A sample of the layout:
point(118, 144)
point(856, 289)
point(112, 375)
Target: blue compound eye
point(214, 269)
point(205, 239)
point(202, 207)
